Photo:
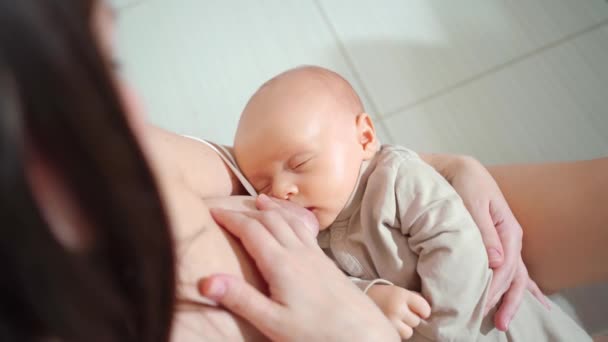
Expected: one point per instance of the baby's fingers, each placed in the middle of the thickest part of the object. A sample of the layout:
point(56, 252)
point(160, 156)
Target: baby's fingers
point(419, 305)
point(411, 319)
point(403, 329)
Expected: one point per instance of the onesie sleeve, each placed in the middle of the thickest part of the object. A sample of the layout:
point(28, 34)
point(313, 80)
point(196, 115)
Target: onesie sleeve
point(452, 262)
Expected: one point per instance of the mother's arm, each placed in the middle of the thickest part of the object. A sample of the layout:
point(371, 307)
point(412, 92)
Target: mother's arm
point(563, 209)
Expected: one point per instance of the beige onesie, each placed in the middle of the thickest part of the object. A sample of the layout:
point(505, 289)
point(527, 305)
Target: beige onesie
point(405, 225)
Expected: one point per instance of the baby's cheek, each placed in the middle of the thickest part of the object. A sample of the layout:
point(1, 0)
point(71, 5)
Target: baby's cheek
point(325, 219)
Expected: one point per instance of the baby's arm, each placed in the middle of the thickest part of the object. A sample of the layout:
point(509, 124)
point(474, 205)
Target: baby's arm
point(452, 261)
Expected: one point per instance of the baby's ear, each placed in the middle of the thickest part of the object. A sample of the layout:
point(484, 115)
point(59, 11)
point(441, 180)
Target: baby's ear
point(366, 135)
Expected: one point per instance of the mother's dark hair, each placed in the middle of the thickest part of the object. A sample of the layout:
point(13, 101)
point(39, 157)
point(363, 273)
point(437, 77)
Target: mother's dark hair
point(57, 97)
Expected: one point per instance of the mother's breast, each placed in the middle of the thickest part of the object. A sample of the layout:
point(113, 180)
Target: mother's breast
point(204, 248)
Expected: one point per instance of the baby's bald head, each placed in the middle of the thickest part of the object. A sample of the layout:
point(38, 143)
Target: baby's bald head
point(316, 78)
point(309, 91)
point(303, 135)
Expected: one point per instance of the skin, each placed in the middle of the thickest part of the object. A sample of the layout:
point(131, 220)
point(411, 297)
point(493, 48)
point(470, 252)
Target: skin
point(562, 207)
point(189, 193)
point(403, 308)
point(295, 141)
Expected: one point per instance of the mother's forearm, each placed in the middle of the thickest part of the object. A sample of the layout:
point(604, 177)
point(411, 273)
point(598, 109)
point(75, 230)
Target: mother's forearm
point(563, 209)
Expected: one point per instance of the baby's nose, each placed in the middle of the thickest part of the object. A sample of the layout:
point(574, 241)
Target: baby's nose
point(285, 191)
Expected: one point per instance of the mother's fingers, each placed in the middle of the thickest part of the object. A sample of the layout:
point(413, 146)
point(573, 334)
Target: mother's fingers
point(297, 216)
point(264, 202)
point(481, 213)
point(256, 239)
point(279, 225)
point(536, 292)
point(510, 234)
point(501, 281)
point(244, 300)
point(512, 299)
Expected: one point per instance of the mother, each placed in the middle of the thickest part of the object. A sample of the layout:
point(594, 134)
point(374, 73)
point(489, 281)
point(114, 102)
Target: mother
point(97, 207)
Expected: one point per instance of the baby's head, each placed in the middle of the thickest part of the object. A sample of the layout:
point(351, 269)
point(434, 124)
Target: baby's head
point(302, 137)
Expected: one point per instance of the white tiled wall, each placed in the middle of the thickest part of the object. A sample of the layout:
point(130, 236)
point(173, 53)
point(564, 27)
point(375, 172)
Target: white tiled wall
point(505, 81)
point(549, 106)
point(197, 62)
point(407, 51)
point(122, 4)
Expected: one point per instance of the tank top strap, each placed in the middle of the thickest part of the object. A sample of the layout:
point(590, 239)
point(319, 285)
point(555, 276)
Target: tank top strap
point(228, 158)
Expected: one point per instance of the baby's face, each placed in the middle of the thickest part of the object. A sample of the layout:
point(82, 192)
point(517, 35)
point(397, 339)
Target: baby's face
point(300, 148)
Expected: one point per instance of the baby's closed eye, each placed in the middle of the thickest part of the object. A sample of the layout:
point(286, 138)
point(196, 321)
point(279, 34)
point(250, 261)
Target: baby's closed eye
point(298, 164)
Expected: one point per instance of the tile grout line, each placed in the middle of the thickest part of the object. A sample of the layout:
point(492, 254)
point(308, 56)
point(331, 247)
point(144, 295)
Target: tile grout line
point(130, 6)
point(351, 66)
point(495, 69)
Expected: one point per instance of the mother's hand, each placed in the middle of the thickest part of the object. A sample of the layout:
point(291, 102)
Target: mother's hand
point(310, 299)
point(501, 233)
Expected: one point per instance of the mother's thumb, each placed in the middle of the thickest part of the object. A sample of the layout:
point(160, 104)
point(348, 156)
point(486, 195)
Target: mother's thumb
point(241, 298)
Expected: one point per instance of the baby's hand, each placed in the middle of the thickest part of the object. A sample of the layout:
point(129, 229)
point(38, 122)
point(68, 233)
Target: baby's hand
point(403, 308)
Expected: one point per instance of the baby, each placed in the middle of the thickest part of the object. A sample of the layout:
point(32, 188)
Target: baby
point(387, 219)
